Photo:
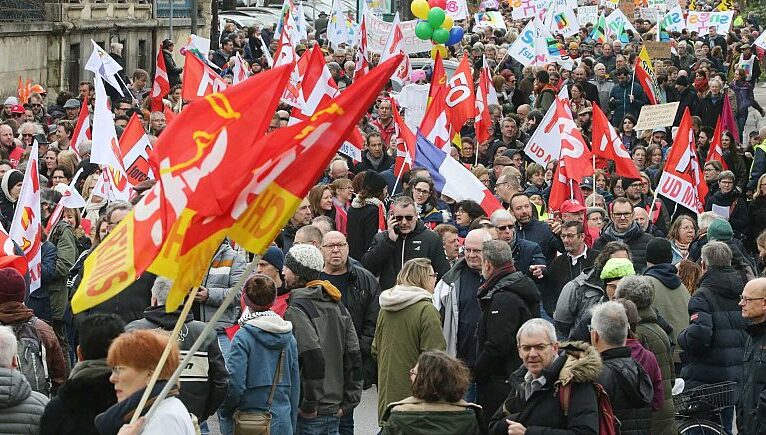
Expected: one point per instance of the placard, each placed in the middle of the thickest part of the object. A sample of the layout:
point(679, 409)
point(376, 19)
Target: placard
point(492, 19)
point(657, 115)
point(657, 49)
point(651, 14)
point(700, 21)
point(628, 7)
point(587, 14)
point(458, 9)
point(378, 30)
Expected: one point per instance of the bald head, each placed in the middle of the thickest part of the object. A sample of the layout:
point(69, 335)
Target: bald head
point(642, 217)
point(334, 249)
point(6, 135)
point(473, 244)
point(753, 303)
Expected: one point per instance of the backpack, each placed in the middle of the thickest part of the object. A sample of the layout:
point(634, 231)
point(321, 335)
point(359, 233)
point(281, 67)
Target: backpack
point(607, 422)
point(31, 354)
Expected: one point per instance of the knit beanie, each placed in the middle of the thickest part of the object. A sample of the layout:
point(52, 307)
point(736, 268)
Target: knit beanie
point(627, 181)
point(10, 179)
point(720, 230)
point(305, 261)
point(658, 251)
point(616, 268)
point(12, 286)
point(259, 293)
point(274, 257)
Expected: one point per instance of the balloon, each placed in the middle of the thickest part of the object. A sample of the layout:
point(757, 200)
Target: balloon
point(448, 22)
point(420, 9)
point(442, 50)
point(455, 35)
point(436, 17)
point(438, 3)
point(440, 36)
point(423, 30)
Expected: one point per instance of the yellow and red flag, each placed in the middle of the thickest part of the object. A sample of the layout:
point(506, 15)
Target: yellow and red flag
point(193, 154)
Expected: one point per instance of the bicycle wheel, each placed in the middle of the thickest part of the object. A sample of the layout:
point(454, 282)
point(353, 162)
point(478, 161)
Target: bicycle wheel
point(700, 427)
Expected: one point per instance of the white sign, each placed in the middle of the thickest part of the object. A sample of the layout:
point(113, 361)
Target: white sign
point(587, 14)
point(721, 211)
point(615, 20)
point(673, 21)
point(650, 14)
point(378, 30)
point(529, 8)
point(457, 9)
point(492, 19)
point(656, 115)
point(700, 21)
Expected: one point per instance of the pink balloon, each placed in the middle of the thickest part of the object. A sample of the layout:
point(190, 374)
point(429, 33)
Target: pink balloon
point(438, 3)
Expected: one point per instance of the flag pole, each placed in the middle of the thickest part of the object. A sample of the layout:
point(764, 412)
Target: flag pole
point(165, 353)
point(202, 336)
point(654, 200)
point(398, 177)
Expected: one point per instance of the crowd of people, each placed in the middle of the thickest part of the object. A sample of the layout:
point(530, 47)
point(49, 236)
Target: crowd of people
point(466, 321)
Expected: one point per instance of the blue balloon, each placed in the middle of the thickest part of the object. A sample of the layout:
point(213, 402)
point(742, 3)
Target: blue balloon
point(455, 35)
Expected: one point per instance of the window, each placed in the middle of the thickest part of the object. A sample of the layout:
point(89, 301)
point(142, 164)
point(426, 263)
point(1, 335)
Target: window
point(73, 68)
point(142, 54)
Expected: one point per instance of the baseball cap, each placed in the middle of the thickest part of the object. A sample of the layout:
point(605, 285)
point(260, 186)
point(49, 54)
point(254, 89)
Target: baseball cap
point(571, 206)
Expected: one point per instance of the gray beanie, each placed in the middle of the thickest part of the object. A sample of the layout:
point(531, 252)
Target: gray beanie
point(305, 261)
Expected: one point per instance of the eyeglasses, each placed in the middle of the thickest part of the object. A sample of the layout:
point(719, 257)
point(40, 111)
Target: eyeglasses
point(746, 300)
point(27, 135)
point(36, 105)
point(538, 347)
point(334, 246)
point(407, 218)
point(17, 115)
point(622, 215)
point(421, 191)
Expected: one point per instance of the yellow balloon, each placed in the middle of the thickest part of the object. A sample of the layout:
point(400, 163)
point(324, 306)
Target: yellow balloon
point(448, 22)
point(438, 48)
point(420, 9)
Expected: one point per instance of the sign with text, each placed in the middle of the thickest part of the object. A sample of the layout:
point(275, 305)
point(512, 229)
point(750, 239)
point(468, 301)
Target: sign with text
point(657, 115)
point(492, 19)
point(651, 14)
point(628, 7)
point(700, 21)
point(378, 30)
point(587, 14)
point(657, 49)
point(458, 9)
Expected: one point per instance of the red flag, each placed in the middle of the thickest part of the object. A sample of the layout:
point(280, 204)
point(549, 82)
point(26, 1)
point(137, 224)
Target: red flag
point(682, 179)
point(563, 188)
point(574, 154)
point(199, 79)
point(82, 130)
point(727, 115)
point(644, 76)
point(716, 151)
point(317, 87)
point(169, 115)
point(161, 85)
point(395, 46)
point(608, 145)
point(239, 70)
point(405, 142)
point(435, 127)
point(285, 55)
point(483, 116)
point(134, 151)
point(361, 65)
point(438, 78)
point(461, 99)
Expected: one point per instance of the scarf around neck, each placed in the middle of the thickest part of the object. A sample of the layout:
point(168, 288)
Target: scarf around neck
point(110, 421)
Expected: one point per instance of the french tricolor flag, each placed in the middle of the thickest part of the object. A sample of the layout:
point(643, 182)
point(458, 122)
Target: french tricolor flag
point(451, 178)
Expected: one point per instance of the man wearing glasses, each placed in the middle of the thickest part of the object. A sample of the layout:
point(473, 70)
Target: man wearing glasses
point(405, 239)
point(633, 191)
point(753, 305)
point(359, 293)
point(624, 228)
point(10, 146)
point(38, 110)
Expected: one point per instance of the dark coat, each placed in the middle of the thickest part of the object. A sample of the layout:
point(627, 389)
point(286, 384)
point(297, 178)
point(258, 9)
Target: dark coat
point(129, 304)
point(737, 205)
point(619, 101)
point(687, 99)
point(709, 110)
point(413, 416)
point(525, 254)
point(540, 233)
point(542, 412)
point(79, 401)
point(367, 165)
point(174, 71)
point(559, 273)
point(756, 218)
point(714, 343)
point(385, 257)
point(751, 409)
point(635, 238)
point(363, 224)
point(629, 389)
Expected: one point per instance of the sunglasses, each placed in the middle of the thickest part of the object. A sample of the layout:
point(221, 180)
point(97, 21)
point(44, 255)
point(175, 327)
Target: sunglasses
point(505, 227)
point(407, 218)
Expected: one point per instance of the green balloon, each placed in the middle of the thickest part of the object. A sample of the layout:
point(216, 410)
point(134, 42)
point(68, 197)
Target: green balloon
point(436, 17)
point(423, 30)
point(440, 36)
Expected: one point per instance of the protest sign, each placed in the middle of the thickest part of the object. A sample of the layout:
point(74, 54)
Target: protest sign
point(673, 21)
point(657, 49)
point(656, 115)
point(458, 9)
point(378, 30)
point(528, 8)
point(492, 19)
point(700, 21)
point(651, 14)
point(628, 7)
point(587, 14)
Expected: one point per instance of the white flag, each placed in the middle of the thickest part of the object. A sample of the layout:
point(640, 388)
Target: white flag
point(337, 31)
point(106, 148)
point(26, 227)
point(101, 64)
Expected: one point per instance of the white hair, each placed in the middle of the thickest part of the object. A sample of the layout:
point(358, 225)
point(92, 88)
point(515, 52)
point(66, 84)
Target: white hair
point(611, 322)
point(537, 326)
point(8, 347)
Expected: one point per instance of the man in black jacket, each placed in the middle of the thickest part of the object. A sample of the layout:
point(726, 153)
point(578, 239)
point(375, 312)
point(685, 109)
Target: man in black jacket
point(174, 71)
point(624, 228)
point(525, 252)
point(507, 299)
point(751, 412)
point(406, 238)
point(88, 391)
point(569, 266)
point(204, 381)
point(626, 383)
point(529, 228)
point(687, 97)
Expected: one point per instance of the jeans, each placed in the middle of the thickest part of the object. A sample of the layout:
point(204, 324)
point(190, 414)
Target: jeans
point(320, 425)
point(203, 428)
point(346, 426)
point(227, 423)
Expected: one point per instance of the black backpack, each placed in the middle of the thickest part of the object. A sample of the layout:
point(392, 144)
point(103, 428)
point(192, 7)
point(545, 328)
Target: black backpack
point(31, 354)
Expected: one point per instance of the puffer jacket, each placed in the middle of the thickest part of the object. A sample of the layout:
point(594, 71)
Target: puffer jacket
point(386, 257)
point(654, 338)
point(751, 408)
point(576, 299)
point(224, 271)
point(671, 300)
point(20, 407)
point(66, 254)
point(629, 389)
point(413, 416)
point(255, 353)
point(579, 364)
point(635, 238)
point(204, 380)
point(328, 349)
point(714, 343)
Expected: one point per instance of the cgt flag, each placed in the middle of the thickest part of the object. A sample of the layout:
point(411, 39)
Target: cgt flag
point(161, 86)
point(199, 79)
point(646, 76)
point(681, 179)
point(716, 151)
point(134, 152)
point(82, 130)
point(26, 227)
point(608, 145)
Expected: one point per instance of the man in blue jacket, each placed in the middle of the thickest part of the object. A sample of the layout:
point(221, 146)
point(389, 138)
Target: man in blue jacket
point(626, 97)
point(529, 228)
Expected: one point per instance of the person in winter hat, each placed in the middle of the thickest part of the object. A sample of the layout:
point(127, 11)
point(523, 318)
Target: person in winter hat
point(264, 349)
point(614, 270)
point(331, 385)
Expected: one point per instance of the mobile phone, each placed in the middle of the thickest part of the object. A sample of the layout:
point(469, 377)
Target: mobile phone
point(397, 230)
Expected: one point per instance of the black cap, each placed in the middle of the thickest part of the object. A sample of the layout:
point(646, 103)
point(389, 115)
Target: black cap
point(42, 139)
point(167, 43)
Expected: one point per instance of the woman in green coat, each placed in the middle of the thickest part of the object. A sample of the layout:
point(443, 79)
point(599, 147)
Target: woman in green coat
point(408, 325)
point(436, 406)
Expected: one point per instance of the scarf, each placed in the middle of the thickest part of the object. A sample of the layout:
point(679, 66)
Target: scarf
point(328, 288)
point(90, 368)
point(683, 249)
point(254, 315)
point(501, 272)
point(700, 85)
point(110, 421)
point(376, 162)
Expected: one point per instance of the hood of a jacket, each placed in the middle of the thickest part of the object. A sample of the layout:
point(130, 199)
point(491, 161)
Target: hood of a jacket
point(315, 290)
point(631, 378)
point(14, 388)
point(634, 232)
point(724, 281)
point(515, 282)
point(666, 274)
point(579, 363)
point(14, 312)
point(166, 320)
point(277, 330)
point(402, 296)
